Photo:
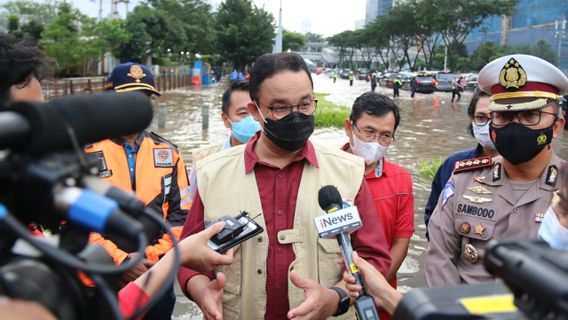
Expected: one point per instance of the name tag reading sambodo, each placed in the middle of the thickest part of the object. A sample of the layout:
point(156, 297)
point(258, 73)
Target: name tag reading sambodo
point(344, 220)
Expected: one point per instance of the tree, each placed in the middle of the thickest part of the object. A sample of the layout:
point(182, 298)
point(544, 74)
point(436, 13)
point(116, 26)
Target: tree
point(314, 37)
point(347, 42)
point(293, 41)
point(244, 32)
point(29, 17)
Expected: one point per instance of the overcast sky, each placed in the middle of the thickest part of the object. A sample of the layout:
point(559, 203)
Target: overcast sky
point(326, 17)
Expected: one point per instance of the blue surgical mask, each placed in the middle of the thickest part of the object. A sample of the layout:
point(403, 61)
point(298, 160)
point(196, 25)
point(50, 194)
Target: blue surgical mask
point(553, 232)
point(481, 134)
point(244, 129)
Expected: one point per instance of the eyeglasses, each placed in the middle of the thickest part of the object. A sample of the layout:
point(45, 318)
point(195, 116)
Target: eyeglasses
point(278, 111)
point(384, 138)
point(481, 120)
point(527, 118)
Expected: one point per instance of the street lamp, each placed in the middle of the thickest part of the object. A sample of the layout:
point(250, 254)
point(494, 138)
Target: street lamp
point(560, 34)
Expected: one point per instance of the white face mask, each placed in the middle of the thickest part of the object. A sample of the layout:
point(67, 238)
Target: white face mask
point(553, 232)
point(481, 134)
point(371, 152)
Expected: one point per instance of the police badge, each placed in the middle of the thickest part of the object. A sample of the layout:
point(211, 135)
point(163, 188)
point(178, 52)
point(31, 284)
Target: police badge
point(512, 75)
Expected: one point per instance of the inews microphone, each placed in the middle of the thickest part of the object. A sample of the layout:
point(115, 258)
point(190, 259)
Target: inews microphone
point(39, 128)
point(340, 220)
point(95, 212)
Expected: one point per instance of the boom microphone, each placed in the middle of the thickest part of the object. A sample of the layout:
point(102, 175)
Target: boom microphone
point(347, 220)
point(39, 128)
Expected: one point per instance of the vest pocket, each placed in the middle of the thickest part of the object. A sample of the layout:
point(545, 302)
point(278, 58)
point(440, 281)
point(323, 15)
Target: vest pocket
point(229, 311)
point(233, 273)
point(329, 271)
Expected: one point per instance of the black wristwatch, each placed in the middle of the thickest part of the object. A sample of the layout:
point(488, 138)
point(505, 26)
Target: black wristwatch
point(344, 300)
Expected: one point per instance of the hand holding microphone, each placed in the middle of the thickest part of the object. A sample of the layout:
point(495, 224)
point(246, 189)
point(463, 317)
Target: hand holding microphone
point(340, 221)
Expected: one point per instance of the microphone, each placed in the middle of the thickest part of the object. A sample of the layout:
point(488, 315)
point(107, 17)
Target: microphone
point(39, 128)
point(95, 213)
point(340, 220)
point(126, 201)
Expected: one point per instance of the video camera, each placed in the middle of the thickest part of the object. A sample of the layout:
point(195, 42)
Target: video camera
point(47, 181)
point(534, 286)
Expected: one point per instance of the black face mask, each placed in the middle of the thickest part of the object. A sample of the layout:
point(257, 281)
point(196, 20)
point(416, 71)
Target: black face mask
point(290, 132)
point(518, 143)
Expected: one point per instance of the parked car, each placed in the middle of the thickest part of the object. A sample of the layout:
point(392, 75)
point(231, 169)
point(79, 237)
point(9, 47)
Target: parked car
point(388, 79)
point(444, 81)
point(344, 74)
point(405, 77)
point(425, 83)
point(362, 73)
point(471, 82)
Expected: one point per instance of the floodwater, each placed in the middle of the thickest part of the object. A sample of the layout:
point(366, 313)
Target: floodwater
point(431, 127)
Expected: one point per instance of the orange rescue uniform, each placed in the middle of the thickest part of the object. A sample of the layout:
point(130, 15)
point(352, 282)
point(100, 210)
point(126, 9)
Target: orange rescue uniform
point(160, 182)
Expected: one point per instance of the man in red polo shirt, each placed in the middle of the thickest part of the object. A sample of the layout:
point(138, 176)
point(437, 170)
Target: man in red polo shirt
point(371, 128)
point(277, 176)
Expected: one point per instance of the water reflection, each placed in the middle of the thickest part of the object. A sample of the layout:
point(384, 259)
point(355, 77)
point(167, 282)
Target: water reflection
point(431, 127)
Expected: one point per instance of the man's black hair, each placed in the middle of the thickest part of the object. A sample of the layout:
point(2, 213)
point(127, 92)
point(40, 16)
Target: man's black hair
point(478, 94)
point(235, 86)
point(19, 61)
point(376, 105)
point(268, 65)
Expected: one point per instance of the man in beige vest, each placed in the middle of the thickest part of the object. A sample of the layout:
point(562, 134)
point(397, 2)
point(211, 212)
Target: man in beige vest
point(504, 197)
point(278, 174)
point(236, 117)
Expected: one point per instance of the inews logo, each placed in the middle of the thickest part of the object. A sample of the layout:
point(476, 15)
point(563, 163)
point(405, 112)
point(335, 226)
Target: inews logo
point(344, 220)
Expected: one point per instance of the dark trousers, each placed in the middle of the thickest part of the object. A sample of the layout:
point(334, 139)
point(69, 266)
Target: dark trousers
point(395, 92)
point(350, 82)
point(456, 92)
point(373, 86)
point(412, 92)
point(164, 308)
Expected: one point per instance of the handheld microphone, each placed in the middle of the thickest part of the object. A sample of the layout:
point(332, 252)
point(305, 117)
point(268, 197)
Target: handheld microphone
point(40, 128)
point(95, 213)
point(345, 220)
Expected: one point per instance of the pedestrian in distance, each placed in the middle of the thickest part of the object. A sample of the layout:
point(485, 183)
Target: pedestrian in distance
point(506, 196)
point(350, 78)
point(373, 82)
point(413, 86)
point(457, 88)
point(397, 83)
point(334, 76)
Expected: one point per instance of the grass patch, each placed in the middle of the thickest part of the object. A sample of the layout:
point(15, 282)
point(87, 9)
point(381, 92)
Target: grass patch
point(428, 168)
point(329, 114)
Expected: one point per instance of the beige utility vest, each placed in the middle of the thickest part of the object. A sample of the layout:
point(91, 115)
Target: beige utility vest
point(226, 190)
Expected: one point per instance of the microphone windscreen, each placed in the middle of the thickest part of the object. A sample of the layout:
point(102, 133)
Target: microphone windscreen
point(329, 197)
point(92, 118)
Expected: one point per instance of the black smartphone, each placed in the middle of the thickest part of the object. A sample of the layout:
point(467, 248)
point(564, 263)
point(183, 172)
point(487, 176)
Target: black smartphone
point(239, 229)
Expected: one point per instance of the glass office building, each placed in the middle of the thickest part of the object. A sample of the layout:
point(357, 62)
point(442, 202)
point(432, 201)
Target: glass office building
point(532, 20)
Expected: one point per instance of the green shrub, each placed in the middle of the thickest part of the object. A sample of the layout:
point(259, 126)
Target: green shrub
point(329, 114)
point(428, 168)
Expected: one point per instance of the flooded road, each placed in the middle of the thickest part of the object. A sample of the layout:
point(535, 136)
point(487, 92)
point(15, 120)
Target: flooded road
point(430, 127)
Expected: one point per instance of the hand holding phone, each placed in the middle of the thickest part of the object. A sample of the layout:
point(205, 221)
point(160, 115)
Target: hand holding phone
point(237, 229)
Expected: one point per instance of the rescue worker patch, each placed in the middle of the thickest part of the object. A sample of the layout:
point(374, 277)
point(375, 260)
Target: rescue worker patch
point(104, 172)
point(163, 158)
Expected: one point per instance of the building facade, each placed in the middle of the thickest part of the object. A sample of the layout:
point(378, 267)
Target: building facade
point(531, 21)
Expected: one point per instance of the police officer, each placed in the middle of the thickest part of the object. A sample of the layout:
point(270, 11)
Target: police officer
point(506, 196)
point(153, 168)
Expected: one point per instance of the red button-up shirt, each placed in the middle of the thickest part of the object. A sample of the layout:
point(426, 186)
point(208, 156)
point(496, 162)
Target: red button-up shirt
point(278, 190)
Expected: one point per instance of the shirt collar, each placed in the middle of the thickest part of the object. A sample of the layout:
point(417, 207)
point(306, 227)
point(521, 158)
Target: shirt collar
point(251, 158)
point(121, 141)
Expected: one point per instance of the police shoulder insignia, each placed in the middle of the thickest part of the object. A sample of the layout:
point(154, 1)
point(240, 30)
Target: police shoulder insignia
point(551, 176)
point(471, 164)
point(512, 75)
point(496, 173)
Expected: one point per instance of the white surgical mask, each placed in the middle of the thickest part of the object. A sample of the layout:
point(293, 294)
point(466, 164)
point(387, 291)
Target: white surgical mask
point(481, 134)
point(553, 232)
point(371, 152)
